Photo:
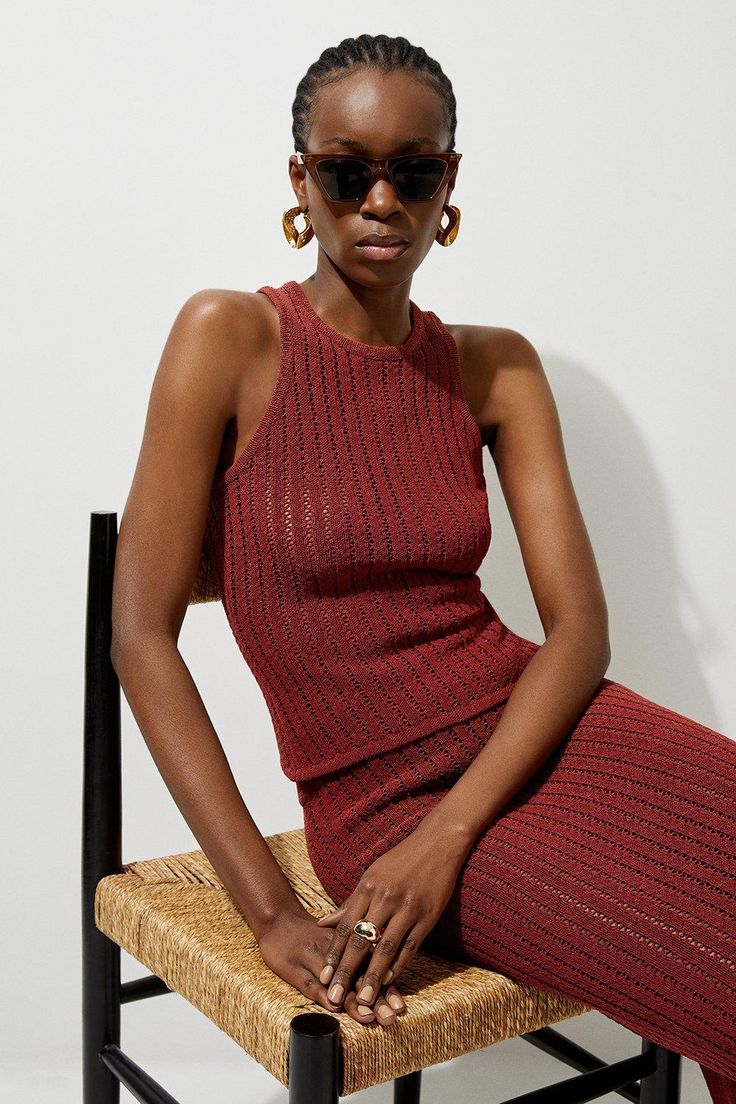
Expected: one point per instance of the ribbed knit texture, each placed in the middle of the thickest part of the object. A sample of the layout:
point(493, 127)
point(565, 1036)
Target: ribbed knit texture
point(347, 539)
point(610, 877)
point(348, 535)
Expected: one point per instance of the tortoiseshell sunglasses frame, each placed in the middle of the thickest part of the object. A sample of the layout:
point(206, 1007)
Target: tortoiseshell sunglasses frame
point(381, 167)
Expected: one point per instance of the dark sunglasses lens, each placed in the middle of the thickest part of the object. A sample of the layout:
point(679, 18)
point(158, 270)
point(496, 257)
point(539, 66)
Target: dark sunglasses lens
point(418, 177)
point(345, 178)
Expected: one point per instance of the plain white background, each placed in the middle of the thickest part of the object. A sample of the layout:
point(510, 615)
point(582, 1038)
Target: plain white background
point(596, 191)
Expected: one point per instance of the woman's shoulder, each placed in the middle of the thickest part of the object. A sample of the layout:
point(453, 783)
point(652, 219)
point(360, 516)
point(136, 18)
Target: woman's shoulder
point(490, 359)
point(236, 313)
point(229, 339)
point(485, 350)
point(489, 343)
point(240, 328)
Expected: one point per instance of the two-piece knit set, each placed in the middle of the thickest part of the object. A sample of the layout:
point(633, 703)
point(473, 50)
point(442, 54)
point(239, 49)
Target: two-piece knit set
point(346, 540)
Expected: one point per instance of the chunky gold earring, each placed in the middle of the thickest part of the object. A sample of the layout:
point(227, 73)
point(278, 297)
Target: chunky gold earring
point(447, 234)
point(296, 238)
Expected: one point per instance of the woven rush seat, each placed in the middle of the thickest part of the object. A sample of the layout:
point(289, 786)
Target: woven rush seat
point(174, 916)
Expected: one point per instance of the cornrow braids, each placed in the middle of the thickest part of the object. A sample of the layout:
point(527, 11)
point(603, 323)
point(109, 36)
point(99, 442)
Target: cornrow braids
point(368, 51)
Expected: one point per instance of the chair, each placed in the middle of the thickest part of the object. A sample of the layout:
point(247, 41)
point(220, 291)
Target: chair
point(174, 916)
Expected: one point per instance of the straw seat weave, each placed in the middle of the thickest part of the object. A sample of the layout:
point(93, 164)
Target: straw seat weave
point(175, 917)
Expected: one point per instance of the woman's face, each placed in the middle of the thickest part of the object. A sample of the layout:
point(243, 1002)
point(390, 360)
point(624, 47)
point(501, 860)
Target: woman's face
point(377, 115)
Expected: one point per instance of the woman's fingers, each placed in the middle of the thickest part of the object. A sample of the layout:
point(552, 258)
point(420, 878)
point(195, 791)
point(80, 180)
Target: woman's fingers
point(349, 961)
point(307, 962)
point(411, 943)
point(347, 952)
point(310, 985)
point(360, 1012)
point(340, 936)
point(383, 957)
point(390, 956)
point(382, 1011)
point(347, 949)
point(395, 999)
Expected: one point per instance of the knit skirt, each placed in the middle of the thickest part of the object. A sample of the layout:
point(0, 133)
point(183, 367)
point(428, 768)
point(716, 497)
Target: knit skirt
point(609, 878)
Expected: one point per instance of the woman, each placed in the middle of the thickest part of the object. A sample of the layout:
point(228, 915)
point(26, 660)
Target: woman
point(320, 445)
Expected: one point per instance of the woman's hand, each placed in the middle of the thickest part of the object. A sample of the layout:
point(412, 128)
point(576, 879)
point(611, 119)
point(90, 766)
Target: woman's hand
point(294, 946)
point(403, 893)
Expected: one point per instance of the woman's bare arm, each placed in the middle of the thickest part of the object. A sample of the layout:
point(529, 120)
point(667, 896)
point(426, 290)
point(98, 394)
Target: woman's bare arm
point(203, 368)
point(517, 405)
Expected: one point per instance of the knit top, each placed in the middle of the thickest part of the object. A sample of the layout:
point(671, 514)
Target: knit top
point(347, 537)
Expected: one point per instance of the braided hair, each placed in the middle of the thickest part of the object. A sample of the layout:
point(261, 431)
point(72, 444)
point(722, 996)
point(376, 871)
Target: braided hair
point(375, 52)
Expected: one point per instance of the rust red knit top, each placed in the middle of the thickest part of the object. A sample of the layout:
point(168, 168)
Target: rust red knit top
point(347, 537)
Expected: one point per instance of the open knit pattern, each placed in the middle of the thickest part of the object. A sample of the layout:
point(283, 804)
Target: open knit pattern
point(609, 877)
point(346, 540)
point(348, 536)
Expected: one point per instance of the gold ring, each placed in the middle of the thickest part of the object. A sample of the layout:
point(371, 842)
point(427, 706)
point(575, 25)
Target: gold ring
point(367, 930)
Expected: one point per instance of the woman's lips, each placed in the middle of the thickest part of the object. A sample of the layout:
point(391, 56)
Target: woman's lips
point(383, 252)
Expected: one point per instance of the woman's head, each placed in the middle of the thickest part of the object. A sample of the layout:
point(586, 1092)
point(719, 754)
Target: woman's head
point(373, 97)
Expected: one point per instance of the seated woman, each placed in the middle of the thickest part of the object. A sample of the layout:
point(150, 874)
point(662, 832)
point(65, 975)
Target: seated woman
point(320, 444)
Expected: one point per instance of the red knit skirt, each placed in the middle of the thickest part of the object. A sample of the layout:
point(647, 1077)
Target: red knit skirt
point(609, 878)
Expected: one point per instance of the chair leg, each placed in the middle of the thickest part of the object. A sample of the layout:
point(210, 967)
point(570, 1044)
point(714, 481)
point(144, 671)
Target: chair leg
point(408, 1089)
point(101, 817)
point(315, 1056)
point(663, 1085)
point(100, 1021)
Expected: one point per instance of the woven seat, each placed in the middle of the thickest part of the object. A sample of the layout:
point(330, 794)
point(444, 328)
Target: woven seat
point(175, 917)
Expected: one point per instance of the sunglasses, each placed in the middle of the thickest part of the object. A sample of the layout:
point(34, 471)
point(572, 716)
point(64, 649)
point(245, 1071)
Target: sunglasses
point(344, 178)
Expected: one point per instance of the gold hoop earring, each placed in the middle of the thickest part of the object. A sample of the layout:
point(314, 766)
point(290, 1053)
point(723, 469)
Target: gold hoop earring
point(447, 234)
point(296, 238)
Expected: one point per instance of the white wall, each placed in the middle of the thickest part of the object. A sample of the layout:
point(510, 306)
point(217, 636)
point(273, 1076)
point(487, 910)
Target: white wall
point(596, 191)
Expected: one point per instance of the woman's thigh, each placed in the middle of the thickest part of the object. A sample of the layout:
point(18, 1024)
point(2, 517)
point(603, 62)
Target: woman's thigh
point(610, 877)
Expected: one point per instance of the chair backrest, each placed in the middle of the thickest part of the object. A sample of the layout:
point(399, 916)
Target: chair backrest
point(102, 781)
point(101, 815)
point(102, 777)
point(101, 793)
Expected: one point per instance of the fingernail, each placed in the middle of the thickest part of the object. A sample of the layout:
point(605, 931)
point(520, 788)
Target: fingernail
point(335, 993)
point(396, 1002)
point(326, 974)
point(366, 994)
point(385, 1014)
point(389, 974)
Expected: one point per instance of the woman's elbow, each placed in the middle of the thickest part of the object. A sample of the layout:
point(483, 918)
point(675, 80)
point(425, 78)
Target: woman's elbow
point(590, 634)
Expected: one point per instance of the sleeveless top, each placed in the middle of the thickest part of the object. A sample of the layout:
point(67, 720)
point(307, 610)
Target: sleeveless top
point(346, 539)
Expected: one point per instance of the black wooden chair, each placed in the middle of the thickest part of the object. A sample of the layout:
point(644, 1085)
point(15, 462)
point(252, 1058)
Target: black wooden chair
point(174, 916)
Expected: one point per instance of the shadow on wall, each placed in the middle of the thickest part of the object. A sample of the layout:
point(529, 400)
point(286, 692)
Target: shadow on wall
point(658, 632)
